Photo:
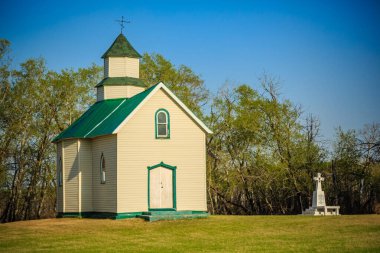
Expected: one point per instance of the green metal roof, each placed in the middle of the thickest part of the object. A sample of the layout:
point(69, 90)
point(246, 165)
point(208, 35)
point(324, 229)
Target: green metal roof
point(122, 81)
point(121, 48)
point(103, 117)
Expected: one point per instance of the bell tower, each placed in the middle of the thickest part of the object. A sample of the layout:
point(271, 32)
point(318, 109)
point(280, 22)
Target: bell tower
point(121, 59)
point(121, 71)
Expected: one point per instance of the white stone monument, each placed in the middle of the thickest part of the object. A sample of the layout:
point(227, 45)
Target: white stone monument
point(319, 203)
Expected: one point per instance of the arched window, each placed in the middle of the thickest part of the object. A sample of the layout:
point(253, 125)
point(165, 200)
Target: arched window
point(162, 124)
point(60, 174)
point(102, 170)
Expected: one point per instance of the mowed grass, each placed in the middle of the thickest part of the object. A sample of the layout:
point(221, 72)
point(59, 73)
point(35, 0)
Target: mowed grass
point(359, 233)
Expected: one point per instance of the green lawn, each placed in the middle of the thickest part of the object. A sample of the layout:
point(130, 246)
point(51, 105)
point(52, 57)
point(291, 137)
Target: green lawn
point(359, 233)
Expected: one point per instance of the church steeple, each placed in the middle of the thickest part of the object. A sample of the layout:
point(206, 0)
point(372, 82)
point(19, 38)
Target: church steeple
point(121, 71)
point(121, 48)
point(121, 59)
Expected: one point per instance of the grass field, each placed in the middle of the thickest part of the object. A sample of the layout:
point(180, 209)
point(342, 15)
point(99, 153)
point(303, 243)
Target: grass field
point(214, 234)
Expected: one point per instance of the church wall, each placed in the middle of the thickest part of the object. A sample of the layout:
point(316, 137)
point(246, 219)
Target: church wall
point(85, 161)
point(121, 91)
point(59, 188)
point(104, 199)
point(70, 175)
point(99, 93)
point(138, 148)
point(122, 66)
point(133, 90)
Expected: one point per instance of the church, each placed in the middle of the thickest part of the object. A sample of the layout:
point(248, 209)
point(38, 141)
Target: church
point(137, 152)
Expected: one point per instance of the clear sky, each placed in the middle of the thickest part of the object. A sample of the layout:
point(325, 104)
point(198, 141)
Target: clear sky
point(326, 53)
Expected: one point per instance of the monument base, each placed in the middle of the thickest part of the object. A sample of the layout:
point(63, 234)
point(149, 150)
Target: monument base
point(322, 211)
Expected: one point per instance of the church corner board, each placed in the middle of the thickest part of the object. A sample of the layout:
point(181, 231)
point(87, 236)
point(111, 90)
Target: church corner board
point(137, 152)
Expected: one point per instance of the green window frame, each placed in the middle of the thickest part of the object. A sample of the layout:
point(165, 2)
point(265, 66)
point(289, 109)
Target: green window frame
point(60, 172)
point(102, 169)
point(162, 123)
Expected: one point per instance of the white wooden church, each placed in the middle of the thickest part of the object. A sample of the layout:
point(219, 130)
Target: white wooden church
point(137, 152)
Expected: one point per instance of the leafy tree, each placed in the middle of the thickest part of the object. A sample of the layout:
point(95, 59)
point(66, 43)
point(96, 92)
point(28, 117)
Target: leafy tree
point(261, 158)
point(5, 62)
point(356, 169)
point(347, 169)
point(184, 83)
point(369, 146)
point(37, 104)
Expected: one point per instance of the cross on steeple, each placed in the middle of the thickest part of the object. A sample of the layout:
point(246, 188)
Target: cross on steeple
point(122, 21)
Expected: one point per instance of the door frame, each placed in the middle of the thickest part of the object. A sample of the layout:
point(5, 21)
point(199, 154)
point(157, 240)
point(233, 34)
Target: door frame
point(174, 184)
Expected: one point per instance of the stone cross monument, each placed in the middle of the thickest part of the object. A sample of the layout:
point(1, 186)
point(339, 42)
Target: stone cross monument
point(319, 203)
point(318, 194)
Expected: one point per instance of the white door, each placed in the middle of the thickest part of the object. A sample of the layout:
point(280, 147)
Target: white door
point(161, 188)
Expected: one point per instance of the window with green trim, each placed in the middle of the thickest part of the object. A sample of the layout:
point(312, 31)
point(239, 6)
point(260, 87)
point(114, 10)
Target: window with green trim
point(60, 174)
point(102, 170)
point(162, 122)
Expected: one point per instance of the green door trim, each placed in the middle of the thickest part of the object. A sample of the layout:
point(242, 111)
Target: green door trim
point(174, 178)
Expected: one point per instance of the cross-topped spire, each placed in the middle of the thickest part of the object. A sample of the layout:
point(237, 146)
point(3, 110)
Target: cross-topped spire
point(122, 21)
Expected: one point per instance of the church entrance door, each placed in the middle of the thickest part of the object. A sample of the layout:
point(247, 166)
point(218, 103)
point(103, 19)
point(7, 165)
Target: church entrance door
point(161, 188)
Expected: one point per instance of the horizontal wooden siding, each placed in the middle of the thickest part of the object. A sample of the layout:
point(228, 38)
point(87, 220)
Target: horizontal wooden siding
point(138, 148)
point(70, 175)
point(104, 195)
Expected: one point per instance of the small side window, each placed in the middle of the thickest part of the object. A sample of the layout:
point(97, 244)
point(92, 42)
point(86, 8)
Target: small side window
point(102, 170)
point(162, 122)
point(59, 173)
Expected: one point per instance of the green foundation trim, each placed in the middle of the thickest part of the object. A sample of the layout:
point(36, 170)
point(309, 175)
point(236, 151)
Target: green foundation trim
point(120, 216)
point(162, 209)
point(173, 215)
point(199, 212)
point(162, 214)
point(183, 212)
point(100, 215)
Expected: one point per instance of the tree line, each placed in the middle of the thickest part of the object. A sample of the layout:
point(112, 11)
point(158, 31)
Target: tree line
point(264, 153)
point(260, 159)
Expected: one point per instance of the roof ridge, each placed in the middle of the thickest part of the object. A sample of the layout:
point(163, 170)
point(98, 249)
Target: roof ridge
point(92, 122)
point(108, 117)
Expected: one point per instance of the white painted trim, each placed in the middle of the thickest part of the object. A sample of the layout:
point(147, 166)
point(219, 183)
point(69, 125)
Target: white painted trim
point(63, 178)
point(105, 117)
point(58, 170)
point(182, 105)
point(205, 170)
point(136, 109)
point(186, 109)
point(79, 179)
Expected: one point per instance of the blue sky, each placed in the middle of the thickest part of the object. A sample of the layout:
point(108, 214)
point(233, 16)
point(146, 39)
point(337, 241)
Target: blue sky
point(325, 53)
